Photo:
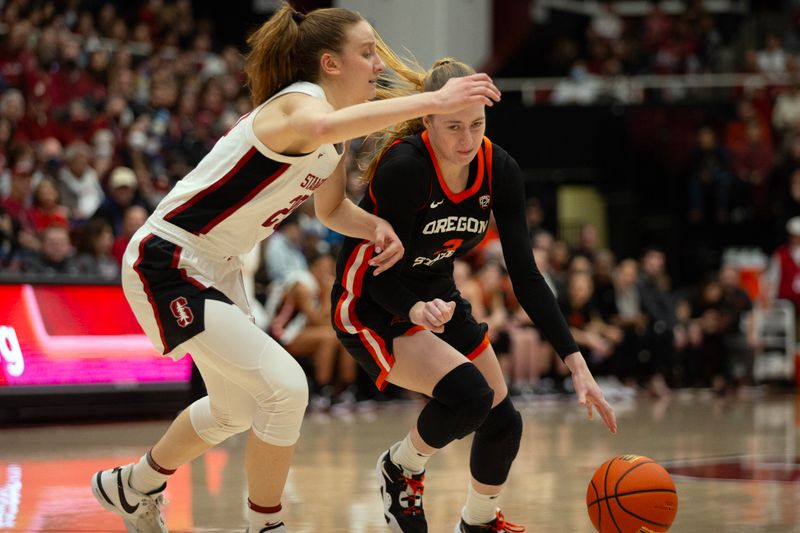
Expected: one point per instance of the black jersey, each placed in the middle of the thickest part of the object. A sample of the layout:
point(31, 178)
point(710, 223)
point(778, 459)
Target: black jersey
point(436, 225)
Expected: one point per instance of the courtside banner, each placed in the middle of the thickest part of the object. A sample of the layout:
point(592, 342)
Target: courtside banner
point(77, 335)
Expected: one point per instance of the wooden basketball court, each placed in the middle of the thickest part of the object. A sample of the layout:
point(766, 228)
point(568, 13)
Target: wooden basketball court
point(735, 463)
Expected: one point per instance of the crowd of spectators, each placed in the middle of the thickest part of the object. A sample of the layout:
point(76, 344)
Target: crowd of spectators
point(100, 115)
point(664, 38)
point(101, 112)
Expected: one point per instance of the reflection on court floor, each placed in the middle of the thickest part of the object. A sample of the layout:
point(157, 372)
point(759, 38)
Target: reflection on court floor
point(735, 463)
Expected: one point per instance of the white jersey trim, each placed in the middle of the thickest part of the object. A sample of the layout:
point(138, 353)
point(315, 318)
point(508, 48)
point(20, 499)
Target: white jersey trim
point(304, 87)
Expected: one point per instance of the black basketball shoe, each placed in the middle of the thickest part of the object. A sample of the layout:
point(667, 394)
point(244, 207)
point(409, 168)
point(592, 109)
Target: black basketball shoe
point(402, 497)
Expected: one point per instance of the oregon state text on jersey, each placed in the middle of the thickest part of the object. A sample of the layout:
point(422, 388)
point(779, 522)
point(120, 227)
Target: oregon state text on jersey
point(446, 225)
point(241, 190)
point(452, 223)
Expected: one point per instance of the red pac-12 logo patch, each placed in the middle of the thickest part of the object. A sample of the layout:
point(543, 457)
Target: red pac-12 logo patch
point(181, 311)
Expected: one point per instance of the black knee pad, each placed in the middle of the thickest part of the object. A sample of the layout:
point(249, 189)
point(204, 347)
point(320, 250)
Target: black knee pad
point(461, 401)
point(496, 444)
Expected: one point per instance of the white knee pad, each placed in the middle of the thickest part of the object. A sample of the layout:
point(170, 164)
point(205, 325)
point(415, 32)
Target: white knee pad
point(279, 414)
point(214, 426)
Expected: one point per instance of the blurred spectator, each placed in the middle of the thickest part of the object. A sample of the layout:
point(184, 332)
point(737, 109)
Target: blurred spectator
point(578, 88)
point(559, 261)
point(46, 209)
point(543, 240)
point(80, 188)
point(588, 241)
point(772, 59)
point(490, 305)
point(50, 157)
point(283, 252)
point(786, 113)
point(676, 54)
point(12, 106)
point(752, 164)
point(736, 136)
point(56, 256)
point(39, 122)
point(606, 24)
point(297, 310)
point(603, 268)
point(656, 303)
point(710, 180)
point(596, 338)
point(741, 338)
point(8, 238)
point(134, 218)
point(717, 314)
point(657, 27)
point(122, 193)
point(632, 366)
point(15, 57)
point(94, 251)
point(787, 204)
point(534, 216)
point(19, 198)
point(782, 279)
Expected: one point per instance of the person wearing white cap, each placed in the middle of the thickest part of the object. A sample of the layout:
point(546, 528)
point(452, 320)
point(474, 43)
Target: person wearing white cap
point(122, 193)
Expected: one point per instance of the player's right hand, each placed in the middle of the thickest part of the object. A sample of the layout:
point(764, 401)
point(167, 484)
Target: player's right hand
point(432, 315)
point(465, 91)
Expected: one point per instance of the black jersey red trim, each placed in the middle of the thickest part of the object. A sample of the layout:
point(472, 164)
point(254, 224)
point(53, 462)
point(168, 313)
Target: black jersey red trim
point(457, 197)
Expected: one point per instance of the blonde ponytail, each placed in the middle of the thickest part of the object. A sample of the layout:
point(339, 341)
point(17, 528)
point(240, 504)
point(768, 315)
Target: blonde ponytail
point(408, 78)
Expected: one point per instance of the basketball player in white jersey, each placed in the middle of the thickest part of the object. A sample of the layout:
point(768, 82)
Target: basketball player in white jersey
point(311, 78)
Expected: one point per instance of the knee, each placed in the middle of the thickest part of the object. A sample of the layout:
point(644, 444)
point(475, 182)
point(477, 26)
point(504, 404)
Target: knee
point(280, 413)
point(504, 421)
point(497, 443)
point(465, 391)
point(214, 425)
point(289, 391)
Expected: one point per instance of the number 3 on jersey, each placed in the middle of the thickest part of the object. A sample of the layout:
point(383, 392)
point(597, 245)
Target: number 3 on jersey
point(450, 246)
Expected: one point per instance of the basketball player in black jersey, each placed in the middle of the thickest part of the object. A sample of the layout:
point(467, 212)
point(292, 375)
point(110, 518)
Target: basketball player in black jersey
point(436, 180)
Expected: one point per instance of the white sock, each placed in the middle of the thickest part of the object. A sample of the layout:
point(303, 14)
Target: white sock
point(260, 517)
point(147, 476)
point(404, 453)
point(480, 508)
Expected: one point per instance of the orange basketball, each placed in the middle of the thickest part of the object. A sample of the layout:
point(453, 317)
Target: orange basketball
point(631, 494)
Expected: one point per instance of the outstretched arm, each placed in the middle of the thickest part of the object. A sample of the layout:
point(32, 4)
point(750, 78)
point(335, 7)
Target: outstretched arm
point(298, 123)
point(533, 292)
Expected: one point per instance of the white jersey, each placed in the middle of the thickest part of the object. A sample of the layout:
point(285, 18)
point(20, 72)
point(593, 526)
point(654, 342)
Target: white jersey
point(241, 190)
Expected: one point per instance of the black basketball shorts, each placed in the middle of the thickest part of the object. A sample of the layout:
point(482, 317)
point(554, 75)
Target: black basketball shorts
point(367, 330)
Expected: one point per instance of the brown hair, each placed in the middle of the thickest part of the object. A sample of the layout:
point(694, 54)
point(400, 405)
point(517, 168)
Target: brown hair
point(288, 46)
point(433, 80)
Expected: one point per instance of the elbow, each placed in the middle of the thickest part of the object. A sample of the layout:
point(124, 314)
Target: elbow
point(322, 130)
point(323, 216)
point(315, 130)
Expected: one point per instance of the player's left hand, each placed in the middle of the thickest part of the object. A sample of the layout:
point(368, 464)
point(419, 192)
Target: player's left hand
point(388, 248)
point(588, 391)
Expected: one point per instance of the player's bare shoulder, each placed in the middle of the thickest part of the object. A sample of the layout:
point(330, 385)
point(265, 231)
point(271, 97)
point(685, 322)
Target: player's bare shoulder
point(279, 124)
